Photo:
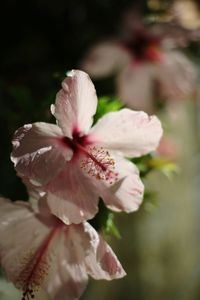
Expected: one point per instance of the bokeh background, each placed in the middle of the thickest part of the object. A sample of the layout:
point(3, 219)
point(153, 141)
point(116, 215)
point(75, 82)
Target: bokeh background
point(40, 41)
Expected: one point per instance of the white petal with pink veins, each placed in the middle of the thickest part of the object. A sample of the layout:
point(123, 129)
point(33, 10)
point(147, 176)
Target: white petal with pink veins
point(37, 153)
point(176, 75)
point(105, 59)
point(68, 282)
point(71, 196)
point(126, 193)
point(68, 277)
point(133, 133)
point(37, 251)
point(135, 86)
point(101, 262)
point(24, 241)
point(37, 198)
point(75, 103)
point(43, 252)
point(81, 252)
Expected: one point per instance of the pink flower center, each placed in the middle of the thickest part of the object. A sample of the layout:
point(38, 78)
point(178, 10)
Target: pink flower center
point(144, 46)
point(96, 161)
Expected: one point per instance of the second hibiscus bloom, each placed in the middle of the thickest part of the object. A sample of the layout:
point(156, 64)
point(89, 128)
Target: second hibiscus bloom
point(72, 164)
point(146, 62)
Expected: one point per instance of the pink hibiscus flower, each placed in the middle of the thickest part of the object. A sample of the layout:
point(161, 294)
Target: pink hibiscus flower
point(73, 164)
point(39, 251)
point(146, 64)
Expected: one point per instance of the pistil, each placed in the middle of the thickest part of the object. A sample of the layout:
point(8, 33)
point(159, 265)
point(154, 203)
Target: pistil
point(97, 162)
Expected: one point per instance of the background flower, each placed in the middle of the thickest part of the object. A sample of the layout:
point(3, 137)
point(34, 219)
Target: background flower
point(146, 63)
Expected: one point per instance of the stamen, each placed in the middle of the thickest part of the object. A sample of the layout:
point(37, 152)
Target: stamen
point(35, 267)
point(99, 164)
point(35, 270)
point(28, 294)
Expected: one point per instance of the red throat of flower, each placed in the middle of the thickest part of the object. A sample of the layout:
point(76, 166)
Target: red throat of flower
point(144, 46)
point(153, 53)
point(35, 268)
point(96, 162)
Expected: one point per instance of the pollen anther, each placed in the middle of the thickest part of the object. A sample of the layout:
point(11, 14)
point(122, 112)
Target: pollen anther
point(99, 164)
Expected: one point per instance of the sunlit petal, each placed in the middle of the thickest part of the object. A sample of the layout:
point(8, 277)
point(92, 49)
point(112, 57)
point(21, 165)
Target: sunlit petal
point(75, 103)
point(133, 133)
point(36, 152)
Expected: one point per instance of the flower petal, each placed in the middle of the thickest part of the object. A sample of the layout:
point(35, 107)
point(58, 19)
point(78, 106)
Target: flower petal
point(81, 252)
point(68, 278)
point(37, 154)
point(75, 103)
point(131, 132)
point(176, 75)
point(43, 252)
point(36, 195)
point(126, 193)
point(68, 282)
point(71, 197)
point(101, 262)
point(105, 59)
point(31, 251)
point(135, 87)
point(22, 244)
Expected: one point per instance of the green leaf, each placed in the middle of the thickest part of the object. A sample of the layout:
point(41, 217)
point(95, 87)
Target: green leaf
point(143, 164)
point(167, 167)
point(110, 227)
point(150, 162)
point(104, 221)
point(150, 201)
point(107, 104)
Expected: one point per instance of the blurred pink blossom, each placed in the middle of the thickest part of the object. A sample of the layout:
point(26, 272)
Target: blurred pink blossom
point(39, 251)
point(73, 164)
point(168, 148)
point(146, 63)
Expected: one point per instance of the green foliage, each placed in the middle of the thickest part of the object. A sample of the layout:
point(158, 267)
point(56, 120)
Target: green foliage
point(150, 162)
point(107, 104)
point(143, 163)
point(104, 221)
point(165, 166)
point(150, 201)
point(110, 228)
